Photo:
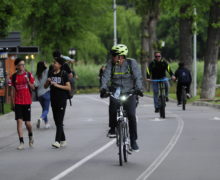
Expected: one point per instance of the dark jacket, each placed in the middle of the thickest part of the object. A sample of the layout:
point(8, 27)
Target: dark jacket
point(157, 69)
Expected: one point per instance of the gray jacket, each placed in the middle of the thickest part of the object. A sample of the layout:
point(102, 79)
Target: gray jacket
point(122, 76)
point(39, 83)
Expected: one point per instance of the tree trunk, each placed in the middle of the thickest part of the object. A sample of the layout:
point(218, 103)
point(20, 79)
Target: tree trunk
point(144, 48)
point(185, 38)
point(149, 38)
point(211, 53)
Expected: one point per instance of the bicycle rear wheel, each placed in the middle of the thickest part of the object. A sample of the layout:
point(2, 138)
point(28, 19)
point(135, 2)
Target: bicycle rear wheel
point(120, 143)
point(183, 98)
point(162, 106)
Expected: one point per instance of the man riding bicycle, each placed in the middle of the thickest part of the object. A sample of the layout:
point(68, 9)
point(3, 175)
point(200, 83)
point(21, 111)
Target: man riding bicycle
point(157, 70)
point(184, 78)
point(125, 74)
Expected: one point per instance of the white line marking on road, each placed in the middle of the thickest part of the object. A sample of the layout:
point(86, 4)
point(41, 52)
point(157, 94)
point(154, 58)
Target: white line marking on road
point(156, 163)
point(84, 160)
point(216, 118)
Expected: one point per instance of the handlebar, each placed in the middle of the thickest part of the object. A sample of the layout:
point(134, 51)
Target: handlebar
point(160, 80)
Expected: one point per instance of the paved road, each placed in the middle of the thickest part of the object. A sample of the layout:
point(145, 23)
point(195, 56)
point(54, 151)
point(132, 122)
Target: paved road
point(184, 146)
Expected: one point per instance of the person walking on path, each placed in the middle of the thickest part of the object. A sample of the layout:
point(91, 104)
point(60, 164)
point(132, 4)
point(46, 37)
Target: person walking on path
point(59, 86)
point(23, 83)
point(42, 93)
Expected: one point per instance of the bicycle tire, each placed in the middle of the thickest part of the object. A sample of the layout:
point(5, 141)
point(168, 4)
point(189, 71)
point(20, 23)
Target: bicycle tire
point(162, 106)
point(120, 141)
point(125, 136)
point(183, 98)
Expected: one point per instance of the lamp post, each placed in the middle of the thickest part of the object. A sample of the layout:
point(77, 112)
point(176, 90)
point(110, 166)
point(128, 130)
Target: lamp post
point(115, 22)
point(72, 53)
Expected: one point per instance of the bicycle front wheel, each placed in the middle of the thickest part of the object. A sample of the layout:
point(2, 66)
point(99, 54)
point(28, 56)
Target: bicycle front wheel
point(120, 143)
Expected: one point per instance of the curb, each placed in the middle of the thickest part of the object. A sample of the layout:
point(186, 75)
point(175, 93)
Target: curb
point(197, 103)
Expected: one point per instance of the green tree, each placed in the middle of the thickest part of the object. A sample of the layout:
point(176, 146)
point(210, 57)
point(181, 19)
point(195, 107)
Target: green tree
point(212, 52)
point(6, 13)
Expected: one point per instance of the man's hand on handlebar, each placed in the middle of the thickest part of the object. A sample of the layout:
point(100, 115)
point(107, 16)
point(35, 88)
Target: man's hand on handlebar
point(139, 92)
point(104, 93)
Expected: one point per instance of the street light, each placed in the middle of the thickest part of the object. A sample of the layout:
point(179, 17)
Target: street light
point(72, 53)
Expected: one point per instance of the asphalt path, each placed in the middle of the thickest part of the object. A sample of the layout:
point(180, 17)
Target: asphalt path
point(183, 146)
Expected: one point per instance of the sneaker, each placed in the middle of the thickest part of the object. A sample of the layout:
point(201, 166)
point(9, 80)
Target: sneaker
point(167, 99)
point(111, 133)
point(56, 144)
point(188, 95)
point(31, 141)
point(157, 110)
point(38, 123)
point(47, 125)
point(63, 143)
point(21, 146)
point(134, 146)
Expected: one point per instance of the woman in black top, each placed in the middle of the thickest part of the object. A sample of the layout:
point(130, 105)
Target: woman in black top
point(59, 87)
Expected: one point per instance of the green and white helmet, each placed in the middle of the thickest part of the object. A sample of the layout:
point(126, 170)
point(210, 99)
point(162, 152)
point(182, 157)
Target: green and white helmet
point(119, 49)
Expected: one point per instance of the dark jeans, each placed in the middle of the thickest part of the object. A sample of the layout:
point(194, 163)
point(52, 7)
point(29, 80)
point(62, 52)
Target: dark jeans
point(58, 115)
point(179, 90)
point(156, 89)
point(130, 108)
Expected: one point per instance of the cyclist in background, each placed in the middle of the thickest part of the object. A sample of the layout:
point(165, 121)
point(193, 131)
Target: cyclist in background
point(184, 78)
point(157, 70)
point(125, 74)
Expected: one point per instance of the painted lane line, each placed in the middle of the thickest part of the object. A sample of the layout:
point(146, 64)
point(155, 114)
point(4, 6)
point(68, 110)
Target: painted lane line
point(84, 160)
point(216, 118)
point(156, 163)
point(87, 158)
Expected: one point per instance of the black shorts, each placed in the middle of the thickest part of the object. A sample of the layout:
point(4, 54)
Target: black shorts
point(23, 112)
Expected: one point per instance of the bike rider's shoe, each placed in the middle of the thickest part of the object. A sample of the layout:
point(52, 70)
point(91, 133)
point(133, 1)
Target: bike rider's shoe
point(157, 110)
point(179, 104)
point(111, 133)
point(56, 144)
point(39, 121)
point(21, 146)
point(167, 99)
point(134, 146)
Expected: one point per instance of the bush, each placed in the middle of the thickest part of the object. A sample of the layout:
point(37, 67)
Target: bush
point(87, 75)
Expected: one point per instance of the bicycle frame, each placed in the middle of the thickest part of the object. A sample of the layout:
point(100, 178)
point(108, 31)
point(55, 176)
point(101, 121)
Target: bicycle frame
point(122, 130)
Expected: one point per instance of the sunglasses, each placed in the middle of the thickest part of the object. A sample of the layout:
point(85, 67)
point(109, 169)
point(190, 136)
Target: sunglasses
point(157, 56)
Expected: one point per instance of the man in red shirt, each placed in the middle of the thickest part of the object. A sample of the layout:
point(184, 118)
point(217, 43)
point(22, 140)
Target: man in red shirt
point(23, 83)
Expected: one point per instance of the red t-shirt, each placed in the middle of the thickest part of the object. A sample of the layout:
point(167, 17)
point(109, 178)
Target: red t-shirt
point(22, 92)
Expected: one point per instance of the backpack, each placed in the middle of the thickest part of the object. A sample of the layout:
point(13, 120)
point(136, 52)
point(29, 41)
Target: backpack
point(72, 90)
point(184, 76)
point(129, 67)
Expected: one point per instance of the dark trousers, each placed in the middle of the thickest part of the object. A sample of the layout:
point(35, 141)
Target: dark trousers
point(58, 115)
point(130, 108)
point(179, 90)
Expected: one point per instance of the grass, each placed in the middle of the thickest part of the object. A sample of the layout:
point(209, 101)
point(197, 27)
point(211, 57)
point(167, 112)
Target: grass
point(7, 109)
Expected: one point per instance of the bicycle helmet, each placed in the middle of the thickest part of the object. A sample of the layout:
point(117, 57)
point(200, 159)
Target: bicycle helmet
point(119, 49)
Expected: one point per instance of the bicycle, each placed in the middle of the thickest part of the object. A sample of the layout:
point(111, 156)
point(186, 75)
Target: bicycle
point(122, 130)
point(162, 96)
